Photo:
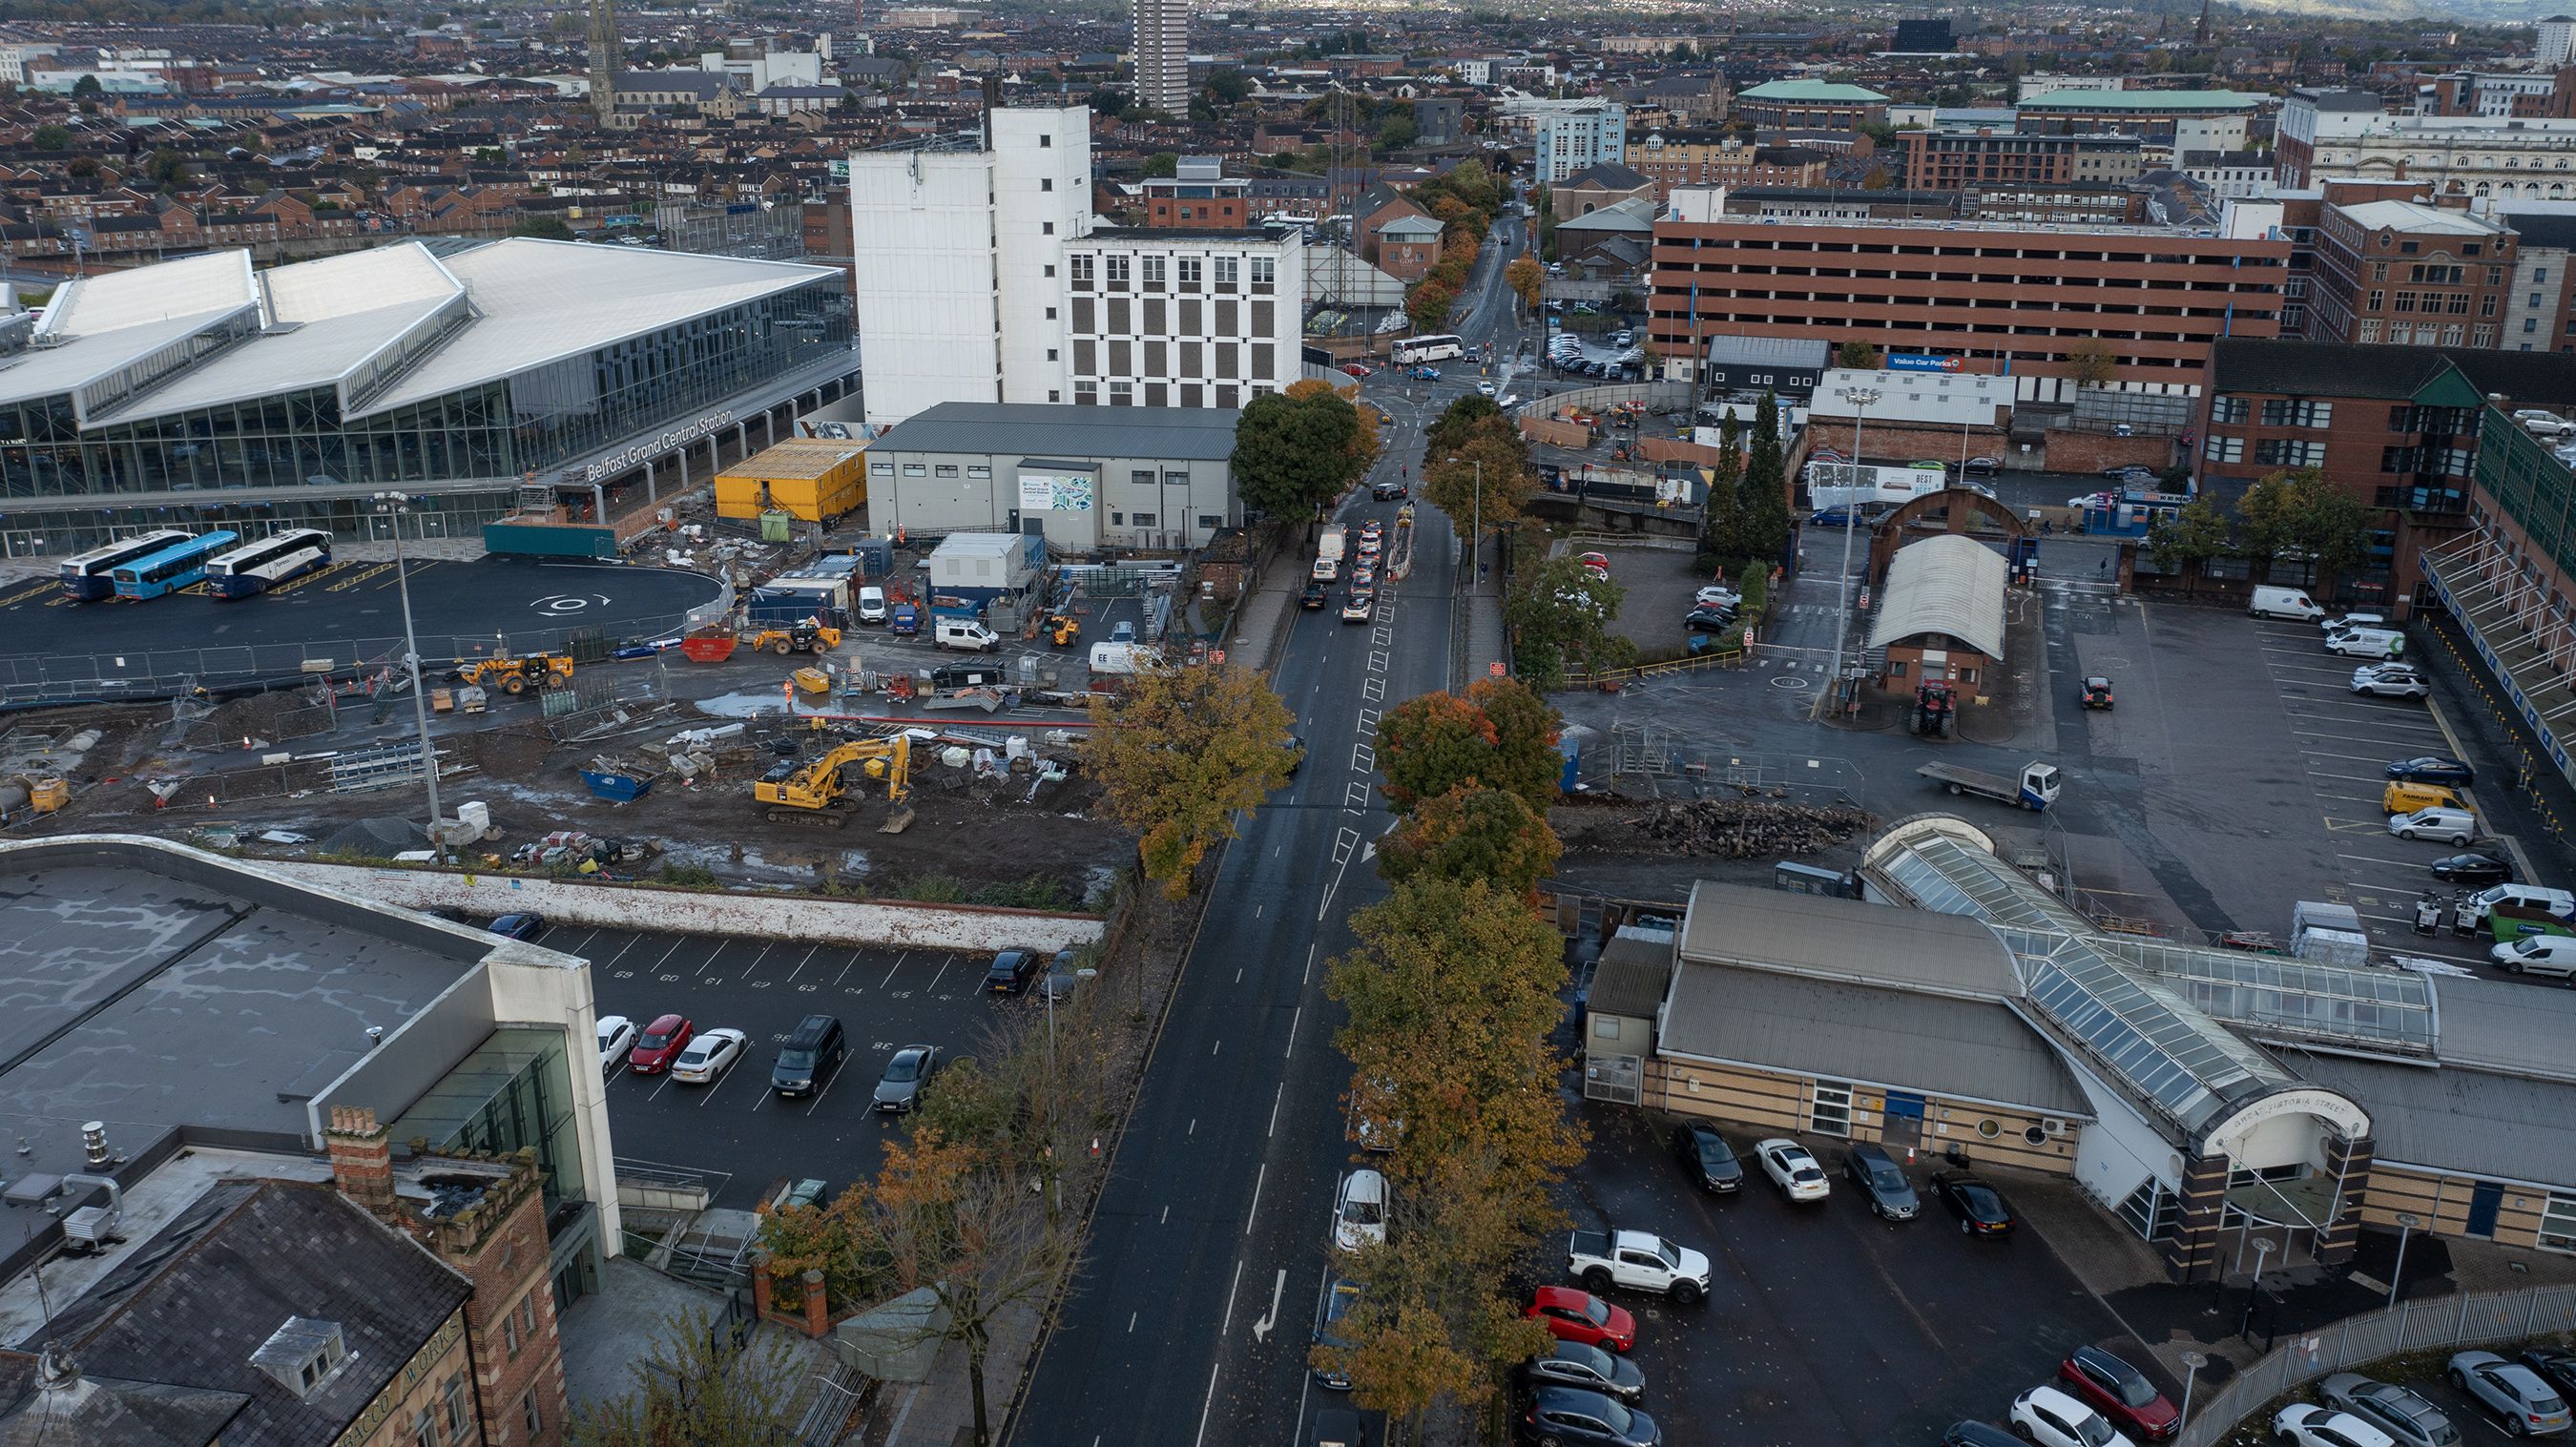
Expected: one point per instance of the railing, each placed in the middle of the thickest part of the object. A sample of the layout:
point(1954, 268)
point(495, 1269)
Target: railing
point(2469, 1319)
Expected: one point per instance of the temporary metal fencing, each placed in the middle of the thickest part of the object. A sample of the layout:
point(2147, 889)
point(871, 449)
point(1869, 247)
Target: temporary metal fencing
point(2479, 1318)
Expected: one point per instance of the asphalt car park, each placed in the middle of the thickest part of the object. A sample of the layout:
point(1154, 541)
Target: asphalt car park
point(736, 1131)
point(1808, 1299)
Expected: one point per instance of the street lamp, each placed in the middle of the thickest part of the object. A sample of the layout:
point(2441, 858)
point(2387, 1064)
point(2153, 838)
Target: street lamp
point(394, 506)
point(2407, 1221)
point(1861, 399)
point(2192, 1362)
point(1476, 522)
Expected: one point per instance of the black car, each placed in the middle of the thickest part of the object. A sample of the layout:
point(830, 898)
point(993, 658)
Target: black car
point(2473, 869)
point(2434, 769)
point(1296, 746)
point(1707, 1159)
point(1981, 1212)
point(520, 926)
point(1586, 1368)
point(1338, 1427)
point(1710, 620)
point(2557, 1368)
point(1882, 1186)
point(1315, 596)
point(1978, 1434)
point(1011, 971)
point(1390, 491)
point(1564, 1415)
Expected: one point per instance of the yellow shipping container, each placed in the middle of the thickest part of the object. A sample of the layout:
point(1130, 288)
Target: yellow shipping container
point(814, 479)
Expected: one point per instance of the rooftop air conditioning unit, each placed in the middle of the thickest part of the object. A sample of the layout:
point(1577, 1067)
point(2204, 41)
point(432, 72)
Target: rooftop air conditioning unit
point(89, 1229)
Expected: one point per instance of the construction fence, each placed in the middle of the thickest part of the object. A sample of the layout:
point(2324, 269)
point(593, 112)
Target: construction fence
point(2471, 1319)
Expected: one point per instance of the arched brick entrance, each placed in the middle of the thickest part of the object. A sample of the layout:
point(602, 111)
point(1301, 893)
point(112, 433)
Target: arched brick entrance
point(1960, 503)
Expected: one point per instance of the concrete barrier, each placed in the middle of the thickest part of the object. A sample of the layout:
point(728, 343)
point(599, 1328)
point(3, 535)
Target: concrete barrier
point(965, 927)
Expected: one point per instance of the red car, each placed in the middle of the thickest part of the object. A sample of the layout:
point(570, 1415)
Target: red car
point(2120, 1392)
point(1360, 369)
point(661, 1044)
point(1580, 1316)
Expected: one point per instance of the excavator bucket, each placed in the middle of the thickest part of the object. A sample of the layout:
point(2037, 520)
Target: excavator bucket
point(897, 821)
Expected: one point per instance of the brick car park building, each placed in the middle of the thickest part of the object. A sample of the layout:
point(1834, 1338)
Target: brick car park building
point(2201, 1097)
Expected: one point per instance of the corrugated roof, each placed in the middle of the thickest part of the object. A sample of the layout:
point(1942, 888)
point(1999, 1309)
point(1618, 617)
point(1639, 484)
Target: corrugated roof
point(191, 286)
point(2141, 100)
point(1044, 429)
point(1949, 584)
point(2459, 1120)
point(1812, 90)
point(2415, 216)
point(1778, 351)
point(1906, 1040)
point(1845, 939)
point(1631, 975)
point(2509, 1027)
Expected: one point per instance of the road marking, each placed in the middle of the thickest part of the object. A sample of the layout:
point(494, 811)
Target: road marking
point(801, 964)
point(1249, 1217)
point(1131, 1323)
point(1211, 1403)
point(1355, 797)
point(1377, 661)
point(1228, 1324)
point(1278, 1287)
point(1310, 965)
point(1275, 1098)
point(934, 979)
point(1344, 841)
point(1368, 718)
point(1167, 1215)
point(1373, 689)
point(1363, 758)
point(1293, 1022)
point(1257, 909)
point(890, 969)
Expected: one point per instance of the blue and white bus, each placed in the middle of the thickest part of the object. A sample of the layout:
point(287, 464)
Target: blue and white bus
point(260, 566)
point(180, 565)
point(85, 578)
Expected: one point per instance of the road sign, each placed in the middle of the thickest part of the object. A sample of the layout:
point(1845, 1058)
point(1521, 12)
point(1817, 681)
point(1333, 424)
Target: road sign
point(1493, 670)
point(1918, 362)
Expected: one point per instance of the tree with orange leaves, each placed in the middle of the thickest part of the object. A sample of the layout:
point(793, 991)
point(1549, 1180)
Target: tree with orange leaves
point(1498, 735)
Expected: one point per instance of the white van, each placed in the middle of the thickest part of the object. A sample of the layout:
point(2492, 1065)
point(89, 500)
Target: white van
point(2379, 643)
point(1122, 658)
point(872, 605)
point(965, 633)
point(2538, 955)
point(2284, 603)
point(2456, 826)
point(2556, 903)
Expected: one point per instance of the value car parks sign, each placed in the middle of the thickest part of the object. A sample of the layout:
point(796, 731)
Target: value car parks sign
point(1918, 362)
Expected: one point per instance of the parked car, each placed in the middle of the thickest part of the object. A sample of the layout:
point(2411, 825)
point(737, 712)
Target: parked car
point(660, 1044)
point(1339, 1298)
point(2390, 680)
point(2305, 1424)
point(2528, 1406)
point(1980, 1210)
point(2119, 1392)
point(2473, 869)
point(1717, 595)
point(1883, 1188)
point(811, 1052)
point(1389, 491)
point(2557, 1368)
point(1586, 1368)
point(2097, 691)
point(2434, 769)
point(1981, 467)
point(906, 1076)
point(1709, 620)
point(710, 1055)
point(2048, 1417)
point(2367, 643)
point(1562, 1416)
point(1011, 971)
point(2537, 955)
point(1978, 1434)
point(2400, 1412)
point(1793, 1169)
point(1596, 563)
point(1707, 1159)
point(520, 926)
point(1359, 1211)
point(616, 1038)
point(2455, 827)
point(1577, 1315)
point(1337, 1427)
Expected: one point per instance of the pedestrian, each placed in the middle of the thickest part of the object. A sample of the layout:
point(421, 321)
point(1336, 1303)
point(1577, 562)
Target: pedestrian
point(2103, 567)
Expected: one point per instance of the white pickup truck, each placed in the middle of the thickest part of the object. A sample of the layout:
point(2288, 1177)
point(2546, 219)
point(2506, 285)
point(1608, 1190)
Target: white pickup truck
point(1639, 1260)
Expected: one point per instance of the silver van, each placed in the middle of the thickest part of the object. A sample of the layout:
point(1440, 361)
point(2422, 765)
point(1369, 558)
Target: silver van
point(965, 633)
point(2284, 603)
point(2453, 826)
point(2552, 955)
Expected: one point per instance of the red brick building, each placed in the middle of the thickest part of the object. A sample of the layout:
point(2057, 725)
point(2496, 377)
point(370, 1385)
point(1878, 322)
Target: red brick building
point(2408, 274)
point(1958, 160)
point(1198, 196)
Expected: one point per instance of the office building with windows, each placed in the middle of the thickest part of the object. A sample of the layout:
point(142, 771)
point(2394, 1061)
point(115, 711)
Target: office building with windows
point(1157, 478)
point(206, 392)
point(1572, 136)
point(2407, 274)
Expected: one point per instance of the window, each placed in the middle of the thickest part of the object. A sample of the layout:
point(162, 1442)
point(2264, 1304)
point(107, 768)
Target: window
point(2558, 1224)
point(528, 1414)
point(1227, 268)
point(1046, 228)
point(455, 1395)
point(912, 469)
point(1265, 273)
point(424, 1429)
point(1120, 267)
point(2280, 452)
point(1050, 316)
point(2223, 449)
point(1176, 479)
point(1045, 140)
point(945, 469)
point(2228, 409)
point(1046, 183)
point(1051, 353)
point(1831, 1114)
point(1140, 478)
point(1144, 520)
point(1154, 266)
point(1122, 394)
point(1086, 394)
point(2379, 299)
point(2280, 413)
point(1191, 267)
point(510, 1332)
point(880, 469)
point(1082, 271)
point(1050, 271)
point(1210, 521)
point(977, 469)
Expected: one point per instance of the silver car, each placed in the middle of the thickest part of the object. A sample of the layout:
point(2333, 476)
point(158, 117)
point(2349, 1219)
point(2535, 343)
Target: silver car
point(2528, 1406)
point(2403, 1414)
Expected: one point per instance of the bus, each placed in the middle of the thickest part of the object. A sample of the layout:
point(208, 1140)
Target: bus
point(85, 578)
point(1435, 348)
point(180, 565)
point(260, 566)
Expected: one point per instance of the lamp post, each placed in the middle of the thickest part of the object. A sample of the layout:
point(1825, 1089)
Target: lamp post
point(1861, 399)
point(2407, 1221)
point(2192, 1362)
point(394, 506)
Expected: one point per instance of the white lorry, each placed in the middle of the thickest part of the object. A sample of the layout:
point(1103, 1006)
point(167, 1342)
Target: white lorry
point(2034, 788)
point(1328, 553)
point(1638, 1260)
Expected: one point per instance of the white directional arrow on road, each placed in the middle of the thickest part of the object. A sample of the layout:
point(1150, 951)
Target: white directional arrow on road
point(1270, 1318)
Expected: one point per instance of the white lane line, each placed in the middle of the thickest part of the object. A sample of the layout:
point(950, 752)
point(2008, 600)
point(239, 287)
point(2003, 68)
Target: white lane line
point(890, 969)
point(1293, 1022)
point(1368, 718)
point(1355, 797)
point(1373, 689)
point(1211, 1403)
point(801, 964)
point(1363, 758)
point(1310, 966)
point(1280, 1095)
point(1253, 1215)
point(1377, 661)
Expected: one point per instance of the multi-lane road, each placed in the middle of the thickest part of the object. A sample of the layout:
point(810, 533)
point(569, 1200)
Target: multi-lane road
point(1189, 1322)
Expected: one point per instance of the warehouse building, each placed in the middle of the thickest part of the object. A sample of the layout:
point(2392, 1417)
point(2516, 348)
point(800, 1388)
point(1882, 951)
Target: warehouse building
point(2203, 1097)
point(1941, 617)
point(1155, 479)
point(200, 391)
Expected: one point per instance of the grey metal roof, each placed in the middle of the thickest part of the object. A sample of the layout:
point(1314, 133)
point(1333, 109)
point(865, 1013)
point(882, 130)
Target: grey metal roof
point(2471, 1121)
point(1846, 940)
point(193, 1306)
point(2507, 1027)
point(1043, 429)
point(1949, 584)
point(1880, 1037)
point(1769, 351)
point(1631, 975)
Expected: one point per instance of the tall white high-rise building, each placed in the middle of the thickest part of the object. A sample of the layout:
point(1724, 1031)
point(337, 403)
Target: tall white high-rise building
point(2557, 41)
point(1163, 55)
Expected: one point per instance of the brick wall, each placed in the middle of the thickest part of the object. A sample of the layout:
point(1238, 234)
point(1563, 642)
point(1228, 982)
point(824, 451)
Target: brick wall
point(2092, 452)
point(510, 1319)
point(1904, 442)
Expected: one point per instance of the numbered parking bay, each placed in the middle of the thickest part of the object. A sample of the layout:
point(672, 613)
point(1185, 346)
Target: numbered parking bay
point(736, 1131)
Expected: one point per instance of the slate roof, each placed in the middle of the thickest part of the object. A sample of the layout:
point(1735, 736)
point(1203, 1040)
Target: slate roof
point(1608, 175)
point(2327, 369)
point(190, 1308)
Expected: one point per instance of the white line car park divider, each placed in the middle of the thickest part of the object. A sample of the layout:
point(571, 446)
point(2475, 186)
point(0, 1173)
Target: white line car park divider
point(963, 927)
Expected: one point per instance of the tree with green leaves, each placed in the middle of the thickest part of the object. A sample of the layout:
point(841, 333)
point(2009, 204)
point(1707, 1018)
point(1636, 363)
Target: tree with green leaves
point(1397, 131)
point(1765, 488)
point(1163, 163)
point(1292, 453)
point(88, 86)
point(2185, 541)
point(2302, 513)
point(1226, 86)
point(1560, 615)
point(547, 228)
point(2095, 364)
point(1859, 355)
point(1182, 755)
point(1458, 422)
point(1527, 280)
point(1471, 834)
point(51, 137)
point(1500, 734)
point(702, 1383)
point(1721, 519)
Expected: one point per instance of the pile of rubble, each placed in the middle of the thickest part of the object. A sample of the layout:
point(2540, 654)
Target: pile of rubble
point(1746, 828)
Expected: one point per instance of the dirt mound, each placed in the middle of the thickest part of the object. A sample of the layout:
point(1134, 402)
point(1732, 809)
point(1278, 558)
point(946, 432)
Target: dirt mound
point(1714, 828)
point(258, 716)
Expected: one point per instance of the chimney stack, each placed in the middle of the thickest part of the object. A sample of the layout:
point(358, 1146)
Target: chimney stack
point(362, 1159)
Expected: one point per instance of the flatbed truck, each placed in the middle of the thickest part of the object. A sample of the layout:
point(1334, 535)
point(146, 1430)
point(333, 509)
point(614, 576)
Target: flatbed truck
point(2035, 788)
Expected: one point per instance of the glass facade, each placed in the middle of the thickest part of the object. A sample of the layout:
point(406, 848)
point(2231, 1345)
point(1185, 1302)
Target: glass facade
point(253, 456)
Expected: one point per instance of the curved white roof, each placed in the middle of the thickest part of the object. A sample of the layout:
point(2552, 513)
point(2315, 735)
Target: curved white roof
point(1947, 584)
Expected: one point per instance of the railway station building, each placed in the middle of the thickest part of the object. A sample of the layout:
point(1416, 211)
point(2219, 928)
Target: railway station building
point(2203, 1097)
point(202, 392)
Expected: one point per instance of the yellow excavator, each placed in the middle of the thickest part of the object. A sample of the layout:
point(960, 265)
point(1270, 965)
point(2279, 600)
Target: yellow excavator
point(816, 790)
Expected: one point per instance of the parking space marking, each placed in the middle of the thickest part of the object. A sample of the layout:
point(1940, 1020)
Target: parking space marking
point(897, 965)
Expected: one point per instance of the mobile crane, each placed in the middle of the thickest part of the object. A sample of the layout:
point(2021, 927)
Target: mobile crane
point(815, 791)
